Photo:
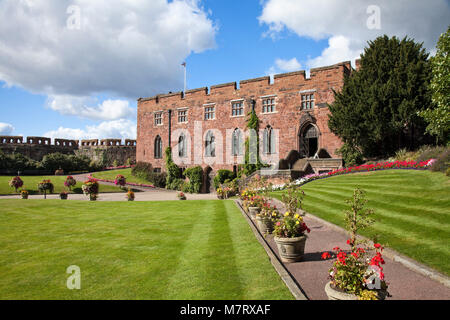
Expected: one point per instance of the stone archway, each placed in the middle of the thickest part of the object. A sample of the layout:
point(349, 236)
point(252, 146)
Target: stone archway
point(308, 140)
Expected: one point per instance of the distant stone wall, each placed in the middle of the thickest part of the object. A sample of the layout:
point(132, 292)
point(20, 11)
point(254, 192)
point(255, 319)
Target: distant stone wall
point(108, 154)
point(106, 151)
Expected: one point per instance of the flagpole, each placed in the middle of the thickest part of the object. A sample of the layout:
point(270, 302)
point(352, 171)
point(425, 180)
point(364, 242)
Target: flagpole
point(184, 65)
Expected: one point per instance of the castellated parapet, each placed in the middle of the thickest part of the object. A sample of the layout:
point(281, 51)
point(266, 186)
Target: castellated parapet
point(107, 150)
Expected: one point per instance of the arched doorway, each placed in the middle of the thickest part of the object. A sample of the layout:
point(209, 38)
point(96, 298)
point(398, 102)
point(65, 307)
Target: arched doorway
point(308, 141)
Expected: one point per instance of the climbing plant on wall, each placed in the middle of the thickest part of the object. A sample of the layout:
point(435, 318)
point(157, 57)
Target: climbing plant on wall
point(252, 161)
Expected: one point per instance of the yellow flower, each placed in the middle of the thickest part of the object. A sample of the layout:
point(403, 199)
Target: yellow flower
point(297, 216)
point(286, 214)
point(274, 214)
point(297, 222)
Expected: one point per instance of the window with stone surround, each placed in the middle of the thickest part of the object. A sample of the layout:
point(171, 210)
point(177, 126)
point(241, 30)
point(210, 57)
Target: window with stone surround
point(158, 118)
point(268, 141)
point(237, 108)
point(158, 147)
point(210, 112)
point(307, 101)
point(268, 105)
point(182, 116)
point(237, 144)
point(210, 145)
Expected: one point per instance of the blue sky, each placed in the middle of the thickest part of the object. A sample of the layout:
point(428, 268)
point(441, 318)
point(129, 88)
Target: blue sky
point(77, 74)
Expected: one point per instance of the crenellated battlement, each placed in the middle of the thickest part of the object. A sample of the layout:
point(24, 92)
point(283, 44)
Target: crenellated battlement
point(279, 81)
point(65, 143)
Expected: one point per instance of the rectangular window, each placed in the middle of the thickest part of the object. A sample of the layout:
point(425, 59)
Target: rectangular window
point(268, 105)
point(157, 170)
point(182, 116)
point(307, 101)
point(210, 113)
point(237, 108)
point(158, 118)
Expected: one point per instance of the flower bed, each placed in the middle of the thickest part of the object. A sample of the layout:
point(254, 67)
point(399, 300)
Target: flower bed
point(128, 183)
point(362, 168)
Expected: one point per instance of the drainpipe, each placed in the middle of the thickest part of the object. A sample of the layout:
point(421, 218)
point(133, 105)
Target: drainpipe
point(170, 127)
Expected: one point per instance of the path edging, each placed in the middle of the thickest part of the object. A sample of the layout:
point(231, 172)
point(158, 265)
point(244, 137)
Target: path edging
point(390, 253)
point(290, 282)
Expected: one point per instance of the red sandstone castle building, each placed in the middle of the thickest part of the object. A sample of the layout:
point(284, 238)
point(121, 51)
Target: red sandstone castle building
point(208, 126)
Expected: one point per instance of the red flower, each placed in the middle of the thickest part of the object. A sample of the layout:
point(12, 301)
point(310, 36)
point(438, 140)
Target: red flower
point(378, 246)
point(326, 255)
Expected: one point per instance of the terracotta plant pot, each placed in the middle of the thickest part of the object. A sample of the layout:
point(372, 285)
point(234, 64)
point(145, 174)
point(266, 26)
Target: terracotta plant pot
point(265, 225)
point(335, 294)
point(291, 249)
point(253, 211)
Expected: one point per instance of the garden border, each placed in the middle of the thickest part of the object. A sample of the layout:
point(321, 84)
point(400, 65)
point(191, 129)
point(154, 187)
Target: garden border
point(293, 286)
point(388, 252)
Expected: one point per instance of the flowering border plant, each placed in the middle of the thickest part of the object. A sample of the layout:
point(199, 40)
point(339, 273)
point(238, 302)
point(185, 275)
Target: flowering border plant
point(24, 193)
point(352, 272)
point(269, 212)
point(120, 180)
point(181, 196)
point(16, 183)
point(130, 195)
point(91, 188)
point(70, 182)
point(290, 226)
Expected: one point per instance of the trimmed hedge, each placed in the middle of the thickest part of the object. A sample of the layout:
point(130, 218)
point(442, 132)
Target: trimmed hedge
point(145, 171)
point(222, 176)
point(195, 175)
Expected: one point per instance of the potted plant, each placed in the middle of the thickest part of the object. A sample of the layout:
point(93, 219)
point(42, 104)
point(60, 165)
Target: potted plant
point(219, 192)
point(292, 199)
point(130, 195)
point(181, 196)
point(16, 183)
point(290, 238)
point(63, 195)
point(255, 204)
point(70, 182)
point(266, 218)
point(24, 194)
point(353, 276)
point(45, 186)
point(120, 181)
point(91, 188)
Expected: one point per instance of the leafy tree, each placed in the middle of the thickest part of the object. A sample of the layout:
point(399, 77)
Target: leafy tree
point(249, 158)
point(438, 116)
point(376, 111)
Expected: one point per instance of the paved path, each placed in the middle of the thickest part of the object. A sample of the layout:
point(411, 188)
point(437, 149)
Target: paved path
point(311, 273)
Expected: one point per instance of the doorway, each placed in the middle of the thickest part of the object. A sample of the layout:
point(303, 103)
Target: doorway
point(309, 141)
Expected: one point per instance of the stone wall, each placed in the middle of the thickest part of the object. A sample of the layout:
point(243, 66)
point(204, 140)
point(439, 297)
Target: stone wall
point(108, 154)
point(108, 150)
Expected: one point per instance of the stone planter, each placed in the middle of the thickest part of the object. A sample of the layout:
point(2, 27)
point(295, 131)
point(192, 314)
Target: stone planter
point(253, 211)
point(265, 225)
point(291, 249)
point(24, 197)
point(335, 294)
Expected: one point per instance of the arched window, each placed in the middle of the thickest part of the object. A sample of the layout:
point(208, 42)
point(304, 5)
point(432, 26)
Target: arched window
point(268, 140)
point(237, 143)
point(210, 145)
point(158, 147)
point(182, 146)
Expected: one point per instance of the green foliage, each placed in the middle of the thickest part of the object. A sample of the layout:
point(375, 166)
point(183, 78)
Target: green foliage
point(173, 178)
point(292, 199)
point(248, 168)
point(54, 161)
point(442, 162)
point(357, 217)
point(438, 115)
point(222, 176)
point(376, 110)
point(17, 161)
point(144, 170)
point(195, 175)
point(351, 155)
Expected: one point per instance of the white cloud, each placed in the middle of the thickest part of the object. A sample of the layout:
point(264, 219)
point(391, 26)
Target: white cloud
point(108, 129)
point(128, 48)
point(345, 23)
point(339, 49)
point(282, 65)
point(6, 129)
point(79, 106)
point(288, 65)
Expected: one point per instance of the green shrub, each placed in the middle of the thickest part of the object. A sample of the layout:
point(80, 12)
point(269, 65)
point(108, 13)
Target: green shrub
point(173, 177)
point(430, 152)
point(442, 162)
point(144, 170)
point(351, 156)
point(68, 163)
point(222, 176)
point(447, 173)
point(195, 175)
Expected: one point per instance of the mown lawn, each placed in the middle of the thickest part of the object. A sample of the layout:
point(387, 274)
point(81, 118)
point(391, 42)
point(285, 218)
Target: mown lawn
point(111, 175)
point(30, 183)
point(412, 210)
point(139, 250)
